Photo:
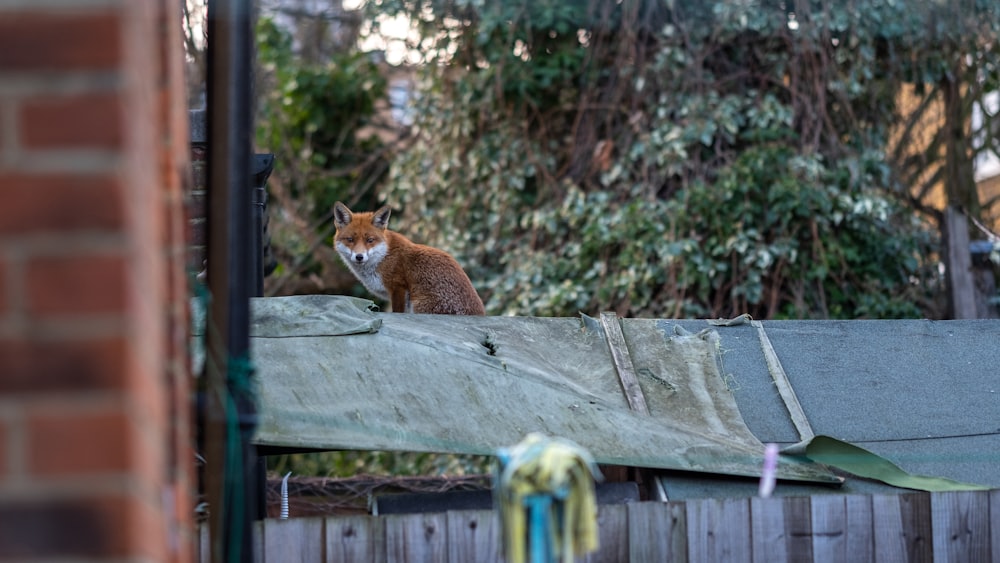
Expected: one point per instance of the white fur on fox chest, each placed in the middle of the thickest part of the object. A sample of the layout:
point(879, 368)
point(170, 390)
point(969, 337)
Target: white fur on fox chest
point(367, 269)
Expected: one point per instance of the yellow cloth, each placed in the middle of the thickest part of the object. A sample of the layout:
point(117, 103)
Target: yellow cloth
point(556, 467)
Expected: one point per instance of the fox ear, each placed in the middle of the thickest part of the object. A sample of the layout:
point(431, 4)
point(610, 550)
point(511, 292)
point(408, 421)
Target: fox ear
point(381, 217)
point(341, 215)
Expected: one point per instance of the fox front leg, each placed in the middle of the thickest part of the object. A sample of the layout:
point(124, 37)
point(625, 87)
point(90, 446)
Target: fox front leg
point(398, 300)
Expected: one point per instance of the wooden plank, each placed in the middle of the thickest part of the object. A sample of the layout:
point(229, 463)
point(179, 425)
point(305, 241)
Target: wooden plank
point(655, 531)
point(381, 542)
point(296, 540)
point(204, 544)
point(733, 531)
point(612, 542)
point(678, 531)
point(912, 527)
point(902, 527)
point(623, 362)
point(258, 541)
point(352, 539)
point(887, 525)
point(784, 385)
point(995, 530)
point(829, 526)
point(798, 528)
point(860, 533)
point(959, 264)
point(474, 536)
point(916, 511)
point(767, 517)
point(415, 538)
point(961, 524)
point(698, 525)
point(781, 529)
point(718, 530)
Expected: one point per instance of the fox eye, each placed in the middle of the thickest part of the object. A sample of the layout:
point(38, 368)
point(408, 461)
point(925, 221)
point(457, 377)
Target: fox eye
point(349, 239)
point(370, 240)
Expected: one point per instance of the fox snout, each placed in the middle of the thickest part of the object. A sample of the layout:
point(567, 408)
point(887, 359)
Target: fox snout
point(352, 255)
point(359, 254)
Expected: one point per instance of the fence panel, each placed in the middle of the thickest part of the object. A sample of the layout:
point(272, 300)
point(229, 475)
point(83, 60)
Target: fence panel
point(767, 519)
point(416, 538)
point(296, 540)
point(961, 524)
point(823, 528)
point(902, 527)
point(354, 539)
point(829, 529)
point(612, 529)
point(719, 530)
point(474, 537)
point(995, 524)
point(655, 532)
point(860, 528)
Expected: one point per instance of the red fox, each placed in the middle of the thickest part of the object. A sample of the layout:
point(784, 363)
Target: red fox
point(414, 278)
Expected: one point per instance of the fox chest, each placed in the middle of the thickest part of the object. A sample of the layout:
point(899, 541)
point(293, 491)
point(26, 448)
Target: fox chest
point(364, 263)
point(370, 277)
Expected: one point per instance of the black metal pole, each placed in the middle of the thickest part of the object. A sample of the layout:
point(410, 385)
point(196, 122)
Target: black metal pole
point(263, 164)
point(231, 415)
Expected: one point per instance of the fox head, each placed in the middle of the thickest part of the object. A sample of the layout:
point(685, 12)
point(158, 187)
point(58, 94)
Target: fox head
point(360, 237)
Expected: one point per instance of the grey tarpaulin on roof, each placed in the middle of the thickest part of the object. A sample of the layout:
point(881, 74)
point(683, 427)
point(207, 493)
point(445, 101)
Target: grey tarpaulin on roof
point(332, 375)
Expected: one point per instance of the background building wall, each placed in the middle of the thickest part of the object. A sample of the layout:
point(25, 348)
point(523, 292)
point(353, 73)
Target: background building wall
point(95, 440)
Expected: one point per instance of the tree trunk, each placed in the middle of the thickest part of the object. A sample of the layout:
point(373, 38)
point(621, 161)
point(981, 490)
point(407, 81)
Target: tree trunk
point(962, 198)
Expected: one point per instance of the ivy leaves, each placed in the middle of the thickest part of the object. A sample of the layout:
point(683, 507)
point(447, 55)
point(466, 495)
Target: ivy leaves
point(677, 160)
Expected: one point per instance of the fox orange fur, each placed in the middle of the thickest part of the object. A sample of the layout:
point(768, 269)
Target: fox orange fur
point(414, 278)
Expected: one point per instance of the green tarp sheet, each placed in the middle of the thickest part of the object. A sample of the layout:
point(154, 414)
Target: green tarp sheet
point(330, 374)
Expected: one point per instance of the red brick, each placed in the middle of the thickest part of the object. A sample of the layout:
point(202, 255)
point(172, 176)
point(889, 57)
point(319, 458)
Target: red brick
point(146, 529)
point(76, 285)
point(147, 387)
point(49, 41)
point(60, 203)
point(195, 204)
point(4, 455)
point(38, 366)
point(196, 257)
point(79, 444)
point(80, 121)
point(69, 528)
point(3, 285)
point(197, 232)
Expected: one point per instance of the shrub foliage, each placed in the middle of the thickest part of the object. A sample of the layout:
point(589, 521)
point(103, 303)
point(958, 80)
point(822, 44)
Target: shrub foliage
point(684, 158)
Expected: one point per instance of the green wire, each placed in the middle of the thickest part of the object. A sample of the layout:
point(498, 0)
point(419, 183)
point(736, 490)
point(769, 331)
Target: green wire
point(238, 383)
point(238, 379)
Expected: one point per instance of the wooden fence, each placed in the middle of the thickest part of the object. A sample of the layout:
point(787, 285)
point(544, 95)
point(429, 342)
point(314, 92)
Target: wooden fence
point(940, 527)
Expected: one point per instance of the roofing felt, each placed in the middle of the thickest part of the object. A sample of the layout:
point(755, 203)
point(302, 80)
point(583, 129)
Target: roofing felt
point(332, 375)
point(924, 394)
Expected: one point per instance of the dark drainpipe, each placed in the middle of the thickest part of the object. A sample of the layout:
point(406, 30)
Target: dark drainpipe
point(230, 411)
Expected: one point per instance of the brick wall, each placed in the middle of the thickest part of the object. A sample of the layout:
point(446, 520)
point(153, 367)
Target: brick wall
point(95, 438)
point(197, 211)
